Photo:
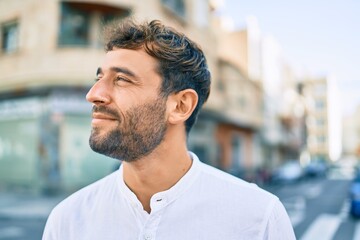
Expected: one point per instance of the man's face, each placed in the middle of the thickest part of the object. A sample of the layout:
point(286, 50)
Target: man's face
point(128, 113)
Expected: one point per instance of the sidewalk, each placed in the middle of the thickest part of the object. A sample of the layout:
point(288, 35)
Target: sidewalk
point(24, 206)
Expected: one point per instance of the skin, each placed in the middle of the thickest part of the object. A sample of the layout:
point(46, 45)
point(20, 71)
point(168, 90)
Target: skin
point(128, 79)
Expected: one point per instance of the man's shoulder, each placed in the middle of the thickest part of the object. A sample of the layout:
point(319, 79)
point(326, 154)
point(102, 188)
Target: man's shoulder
point(87, 195)
point(73, 212)
point(226, 182)
point(250, 206)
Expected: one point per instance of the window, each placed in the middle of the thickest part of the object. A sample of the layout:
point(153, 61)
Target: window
point(74, 28)
point(320, 122)
point(319, 104)
point(81, 23)
point(10, 37)
point(177, 6)
point(321, 139)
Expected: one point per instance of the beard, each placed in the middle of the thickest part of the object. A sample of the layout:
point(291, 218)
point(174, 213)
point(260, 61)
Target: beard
point(137, 135)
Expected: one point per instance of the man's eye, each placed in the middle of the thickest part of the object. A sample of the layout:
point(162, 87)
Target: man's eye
point(119, 78)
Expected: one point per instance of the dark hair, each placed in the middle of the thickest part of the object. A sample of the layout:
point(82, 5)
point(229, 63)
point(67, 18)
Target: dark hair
point(182, 64)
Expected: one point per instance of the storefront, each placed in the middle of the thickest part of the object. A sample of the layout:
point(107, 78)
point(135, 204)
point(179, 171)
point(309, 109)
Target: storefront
point(44, 142)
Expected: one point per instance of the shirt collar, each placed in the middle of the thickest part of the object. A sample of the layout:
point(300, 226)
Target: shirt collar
point(161, 199)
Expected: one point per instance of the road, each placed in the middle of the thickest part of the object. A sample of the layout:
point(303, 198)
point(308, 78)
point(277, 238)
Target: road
point(23, 216)
point(24, 229)
point(318, 209)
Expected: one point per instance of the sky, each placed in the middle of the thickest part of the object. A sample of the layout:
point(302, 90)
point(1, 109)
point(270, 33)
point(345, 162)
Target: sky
point(321, 37)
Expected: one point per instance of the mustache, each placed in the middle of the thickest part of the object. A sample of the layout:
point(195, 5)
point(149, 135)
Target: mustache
point(106, 111)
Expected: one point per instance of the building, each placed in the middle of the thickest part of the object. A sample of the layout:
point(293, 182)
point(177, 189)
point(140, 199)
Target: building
point(261, 60)
point(239, 81)
point(351, 134)
point(238, 128)
point(243, 48)
point(293, 114)
point(324, 119)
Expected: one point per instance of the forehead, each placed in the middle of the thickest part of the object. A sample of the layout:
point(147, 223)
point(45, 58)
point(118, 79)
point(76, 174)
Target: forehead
point(137, 61)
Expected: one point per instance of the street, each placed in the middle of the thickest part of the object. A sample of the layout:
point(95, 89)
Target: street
point(23, 216)
point(21, 229)
point(318, 209)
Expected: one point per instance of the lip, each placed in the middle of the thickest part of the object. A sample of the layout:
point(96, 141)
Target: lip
point(99, 117)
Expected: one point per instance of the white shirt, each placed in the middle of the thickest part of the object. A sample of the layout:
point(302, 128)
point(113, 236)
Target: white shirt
point(205, 203)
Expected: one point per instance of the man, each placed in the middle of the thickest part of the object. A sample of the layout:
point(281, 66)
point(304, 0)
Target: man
point(146, 97)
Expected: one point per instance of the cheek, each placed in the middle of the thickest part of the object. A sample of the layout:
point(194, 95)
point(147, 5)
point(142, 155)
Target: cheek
point(126, 99)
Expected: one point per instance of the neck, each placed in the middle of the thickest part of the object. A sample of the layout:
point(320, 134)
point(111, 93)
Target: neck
point(157, 172)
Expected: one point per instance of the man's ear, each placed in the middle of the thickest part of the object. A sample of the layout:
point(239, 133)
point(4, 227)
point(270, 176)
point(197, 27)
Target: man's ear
point(181, 105)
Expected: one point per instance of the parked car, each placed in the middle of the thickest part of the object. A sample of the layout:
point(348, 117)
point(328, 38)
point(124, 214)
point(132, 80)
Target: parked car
point(290, 171)
point(316, 168)
point(355, 196)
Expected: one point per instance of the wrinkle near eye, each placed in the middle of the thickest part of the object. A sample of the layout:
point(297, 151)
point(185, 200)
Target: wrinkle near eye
point(97, 78)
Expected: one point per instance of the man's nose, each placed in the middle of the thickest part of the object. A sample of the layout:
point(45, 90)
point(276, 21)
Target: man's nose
point(98, 94)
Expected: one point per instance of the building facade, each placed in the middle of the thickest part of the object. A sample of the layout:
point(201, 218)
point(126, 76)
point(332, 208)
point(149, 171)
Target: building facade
point(260, 59)
point(324, 118)
point(239, 79)
point(351, 134)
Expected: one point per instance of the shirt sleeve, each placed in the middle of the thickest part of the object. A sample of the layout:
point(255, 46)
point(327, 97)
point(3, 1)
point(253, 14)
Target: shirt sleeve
point(279, 226)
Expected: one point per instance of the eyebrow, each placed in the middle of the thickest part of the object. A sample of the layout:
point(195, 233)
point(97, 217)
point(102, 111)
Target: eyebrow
point(118, 70)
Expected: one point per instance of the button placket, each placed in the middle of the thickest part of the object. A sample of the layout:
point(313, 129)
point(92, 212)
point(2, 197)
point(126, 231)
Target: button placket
point(148, 236)
point(150, 228)
point(157, 204)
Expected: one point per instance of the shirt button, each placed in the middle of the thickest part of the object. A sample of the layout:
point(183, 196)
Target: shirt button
point(147, 236)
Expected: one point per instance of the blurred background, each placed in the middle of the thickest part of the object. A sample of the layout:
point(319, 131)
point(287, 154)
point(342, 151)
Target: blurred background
point(283, 110)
